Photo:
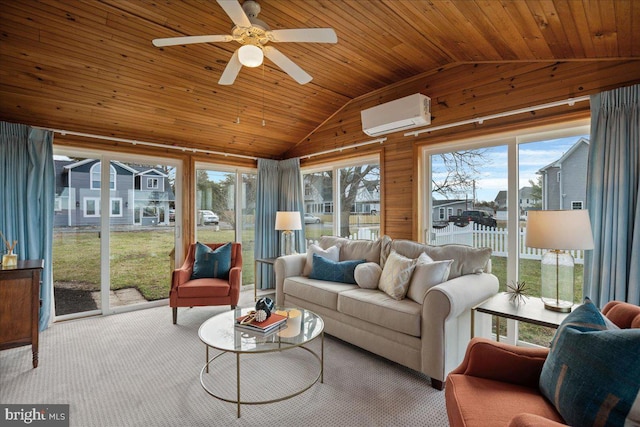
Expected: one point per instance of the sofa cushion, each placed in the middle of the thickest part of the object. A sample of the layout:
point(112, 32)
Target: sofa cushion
point(354, 249)
point(341, 271)
point(367, 275)
point(374, 306)
point(427, 275)
point(211, 263)
point(396, 275)
point(385, 249)
point(332, 253)
point(466, 259)
point(318, 292)
point(592, 374)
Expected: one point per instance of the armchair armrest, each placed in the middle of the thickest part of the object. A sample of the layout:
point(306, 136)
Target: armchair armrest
point(503, 362)
point(287, 266)
point(180, 276)
point(533, 420)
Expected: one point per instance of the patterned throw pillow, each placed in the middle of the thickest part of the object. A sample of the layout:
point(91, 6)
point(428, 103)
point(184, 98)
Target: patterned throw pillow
point(427, 275)
point(592, 373)
point(396, 275)
point(212, 263)
point(332, 253)
point(332, 271)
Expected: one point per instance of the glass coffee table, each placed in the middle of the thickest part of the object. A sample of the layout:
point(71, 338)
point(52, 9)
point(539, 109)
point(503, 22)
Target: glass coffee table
point(220, 333)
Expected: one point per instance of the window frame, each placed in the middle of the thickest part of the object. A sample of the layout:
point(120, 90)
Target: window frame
point(335, 166)
point(512, 140)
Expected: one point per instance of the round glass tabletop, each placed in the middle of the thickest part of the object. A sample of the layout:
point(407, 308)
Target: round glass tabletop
point(220, 331)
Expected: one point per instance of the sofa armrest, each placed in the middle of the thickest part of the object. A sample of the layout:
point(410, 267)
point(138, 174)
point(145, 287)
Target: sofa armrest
point(446, 318)
point(503, 362)
point(287, 266)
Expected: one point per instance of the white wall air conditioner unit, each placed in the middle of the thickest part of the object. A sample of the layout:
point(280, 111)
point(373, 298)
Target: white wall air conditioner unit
point(405, 113)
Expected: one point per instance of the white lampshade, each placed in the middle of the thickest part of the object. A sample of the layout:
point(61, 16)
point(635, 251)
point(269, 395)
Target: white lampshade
point(569, 229)
point(288, 220)
point(250, 55)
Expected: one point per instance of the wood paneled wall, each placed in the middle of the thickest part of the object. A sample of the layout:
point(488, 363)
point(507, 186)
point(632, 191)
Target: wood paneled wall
point(460, 93)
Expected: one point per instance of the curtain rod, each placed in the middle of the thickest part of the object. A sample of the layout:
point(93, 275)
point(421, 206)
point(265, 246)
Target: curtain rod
point(346, 147)
point(481, 120)
point(150, 144)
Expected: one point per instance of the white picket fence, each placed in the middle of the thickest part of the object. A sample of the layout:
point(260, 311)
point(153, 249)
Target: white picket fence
point(496, 239)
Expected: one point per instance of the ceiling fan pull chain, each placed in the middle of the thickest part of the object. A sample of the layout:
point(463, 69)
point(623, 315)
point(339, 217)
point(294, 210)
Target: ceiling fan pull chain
point(263, 122)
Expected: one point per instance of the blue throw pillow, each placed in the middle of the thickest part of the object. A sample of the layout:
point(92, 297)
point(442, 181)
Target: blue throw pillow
point(592, 373)
point(332, 271)
point(210, 263)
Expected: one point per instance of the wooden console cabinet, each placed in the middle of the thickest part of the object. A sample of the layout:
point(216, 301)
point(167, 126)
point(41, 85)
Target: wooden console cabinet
point(19, 305)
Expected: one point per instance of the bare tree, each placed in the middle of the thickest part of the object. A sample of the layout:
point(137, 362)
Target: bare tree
point(353, 180)
point(457, 172)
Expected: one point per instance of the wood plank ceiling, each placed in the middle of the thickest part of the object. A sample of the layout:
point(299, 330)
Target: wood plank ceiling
point(89, 66)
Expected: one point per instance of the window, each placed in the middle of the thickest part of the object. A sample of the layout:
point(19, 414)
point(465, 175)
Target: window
point(349, 193)
point(91, 207)
point(116, 207)
point(95, 176)
point(509, 164)
point(153, 183)
point(441, 216)
point(57, 204)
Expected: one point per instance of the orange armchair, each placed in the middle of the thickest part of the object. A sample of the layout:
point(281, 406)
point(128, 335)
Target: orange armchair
point(497, 384)
point(203, 292)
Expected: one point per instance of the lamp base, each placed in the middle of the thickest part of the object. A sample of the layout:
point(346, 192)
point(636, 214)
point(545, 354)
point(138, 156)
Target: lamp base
point(558, 306)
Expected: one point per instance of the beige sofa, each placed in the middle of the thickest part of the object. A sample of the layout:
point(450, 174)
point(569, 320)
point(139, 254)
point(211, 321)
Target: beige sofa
point(429, 335)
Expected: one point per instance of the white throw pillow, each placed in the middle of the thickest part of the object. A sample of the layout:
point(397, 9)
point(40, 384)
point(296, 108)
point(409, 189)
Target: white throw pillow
point(332, 253)
point(396, 275)
point(427, 275)
point(367, 275)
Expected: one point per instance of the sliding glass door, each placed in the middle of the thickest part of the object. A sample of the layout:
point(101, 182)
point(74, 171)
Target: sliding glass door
point(114, 237)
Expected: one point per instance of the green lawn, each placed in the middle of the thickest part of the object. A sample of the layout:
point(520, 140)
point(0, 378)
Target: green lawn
point(138, 259)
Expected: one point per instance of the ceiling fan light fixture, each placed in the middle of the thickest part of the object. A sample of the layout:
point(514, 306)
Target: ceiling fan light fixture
point(250, 55)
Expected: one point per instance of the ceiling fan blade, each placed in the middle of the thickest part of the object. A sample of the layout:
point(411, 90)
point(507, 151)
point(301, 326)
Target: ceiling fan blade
point(235, 12)
point(287, 65)
point(231, 70)
point(174, 41)
point(309, 35)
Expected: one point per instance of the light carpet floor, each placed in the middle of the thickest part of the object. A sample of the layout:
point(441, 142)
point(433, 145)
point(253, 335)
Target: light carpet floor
point(138, 369)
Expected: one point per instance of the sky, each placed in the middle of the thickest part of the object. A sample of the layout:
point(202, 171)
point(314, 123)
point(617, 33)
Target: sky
point(532, 156)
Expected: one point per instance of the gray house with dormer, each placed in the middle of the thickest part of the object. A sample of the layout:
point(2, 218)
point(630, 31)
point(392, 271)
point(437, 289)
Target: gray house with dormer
point(564, 182)
point(138, 195)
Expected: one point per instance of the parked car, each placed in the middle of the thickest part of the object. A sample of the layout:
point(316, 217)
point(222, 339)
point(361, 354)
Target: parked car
point(172, 214)
point(439, 224)
point(478, 217)
point(208, 217)
point(310, 219)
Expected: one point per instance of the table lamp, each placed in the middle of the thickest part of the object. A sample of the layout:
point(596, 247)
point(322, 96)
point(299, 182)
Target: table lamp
point(287, 221)
point(558, 231)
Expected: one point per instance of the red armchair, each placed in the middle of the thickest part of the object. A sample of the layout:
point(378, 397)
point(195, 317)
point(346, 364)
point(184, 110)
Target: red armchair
point(497, 383)
point(203, 292)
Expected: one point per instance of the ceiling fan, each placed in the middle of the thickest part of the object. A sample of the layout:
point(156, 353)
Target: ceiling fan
point(253, 34)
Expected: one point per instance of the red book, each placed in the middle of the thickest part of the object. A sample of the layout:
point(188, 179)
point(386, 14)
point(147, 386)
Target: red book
point(271, 323)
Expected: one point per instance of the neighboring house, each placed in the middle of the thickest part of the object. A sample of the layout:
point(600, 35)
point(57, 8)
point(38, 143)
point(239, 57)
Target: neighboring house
point(501, 203)
point(527, 201)
point(138, 195)
point(443, 209)
point(564, 182)
point(318, 196)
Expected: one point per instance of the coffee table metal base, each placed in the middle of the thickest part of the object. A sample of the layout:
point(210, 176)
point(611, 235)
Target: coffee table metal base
point(238, 401)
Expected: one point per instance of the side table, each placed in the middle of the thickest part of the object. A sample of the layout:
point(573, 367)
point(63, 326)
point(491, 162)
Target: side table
point(258, 274)
point(532, 312)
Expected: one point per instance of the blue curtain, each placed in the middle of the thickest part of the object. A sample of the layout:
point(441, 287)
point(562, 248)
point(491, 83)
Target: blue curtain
point(291, 194)
point(279, 188)
point(612, 269)
point(27, 186)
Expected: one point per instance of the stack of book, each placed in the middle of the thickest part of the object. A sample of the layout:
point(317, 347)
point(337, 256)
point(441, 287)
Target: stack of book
point(272, 323)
